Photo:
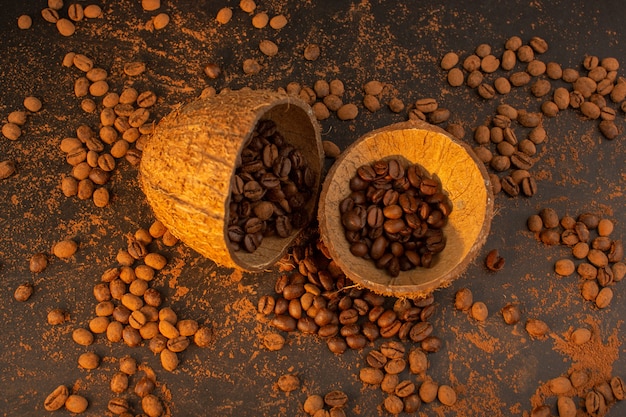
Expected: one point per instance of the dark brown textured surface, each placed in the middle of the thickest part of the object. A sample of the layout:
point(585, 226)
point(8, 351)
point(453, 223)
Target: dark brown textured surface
point(497, 370)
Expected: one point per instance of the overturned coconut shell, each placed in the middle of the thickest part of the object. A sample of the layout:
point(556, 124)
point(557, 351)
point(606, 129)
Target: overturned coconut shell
point(189, 162)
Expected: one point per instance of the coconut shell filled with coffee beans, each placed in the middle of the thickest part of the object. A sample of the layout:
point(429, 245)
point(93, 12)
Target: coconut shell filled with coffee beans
point(188, 169)
point(463, 179)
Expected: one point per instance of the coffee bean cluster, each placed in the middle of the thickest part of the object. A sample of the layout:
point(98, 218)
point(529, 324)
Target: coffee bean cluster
point(62, 397)
point(600, 258)
point(590, 90)
point(130, 310)
point(122, 129)
point(76, 12)
point(138, 380)
point(332, 404)
point(393, 370)
point(12, 128)
point(319, 299)
point(325, 97)
point(271, 188)
point(597, 399)
point(511, 313)
point(395, 215)
point(585, 89)
point(376, 91)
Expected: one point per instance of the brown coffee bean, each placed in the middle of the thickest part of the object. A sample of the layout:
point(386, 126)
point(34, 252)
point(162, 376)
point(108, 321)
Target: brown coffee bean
point(393, 404)
point(580, 336)
point(376, 359)
point(449, 60)
point(520, 78)
point(284, 323)
point(455, 77)
point(312, 404)
point(288, 383)
point(389, 383)
point(471, 63)
point(371, 376)
point(312, 52)
point(525, 53)
point(564, 267)
point(604, 297)
point(178, 344)
point(82, 336)
point(439, 115)
point(428, 391)
point(493, 261)
point(119, 382)
point(446, 395)
point(510, 186)
point(537, 328)
point(486, 91)
point(56, 399)
point(511, 313)
point(404, 388)
point(118, 406)
point(479, 311)
point(618, 388)
point(560, 385)
point(152, 406)
point(609, 129)
point(336, 399)
point(57, 316)
point(76, 404)
point(474, 79)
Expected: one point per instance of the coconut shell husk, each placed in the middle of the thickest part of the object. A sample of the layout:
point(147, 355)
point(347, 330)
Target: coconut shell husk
point(464, 179)
point(189, 161)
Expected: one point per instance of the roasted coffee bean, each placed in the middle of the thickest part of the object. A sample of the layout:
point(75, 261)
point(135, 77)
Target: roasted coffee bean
point(420, 331)
point(336, 399)
point(284, 323)
point(493, 261)
point(431, 344)
point(392, 350)
point(56, 399)
point(529, 186)
point(371, 376)
point(510, 186)
point(463, 299)
point(376, 359)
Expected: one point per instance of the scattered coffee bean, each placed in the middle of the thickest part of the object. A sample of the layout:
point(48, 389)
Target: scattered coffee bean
point(511, 313)
point(56, 399)
point(76, 404)
point(23, 292)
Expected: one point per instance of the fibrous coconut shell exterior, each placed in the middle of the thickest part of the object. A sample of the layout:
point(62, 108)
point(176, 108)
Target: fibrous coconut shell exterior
point(189, 162)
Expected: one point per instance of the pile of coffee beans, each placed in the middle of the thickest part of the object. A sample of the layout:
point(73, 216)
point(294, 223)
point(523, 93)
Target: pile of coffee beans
point(124, 122)
point(129, 310)
point(325, 97)
point(600, 257)
point(590, 90)
point(332, 404)
point(139, 380)
point(597, 400)
point(270, 191)
point(76, 12)
point(319, 299)
point(395, 215)
point(16, 120)
point(390, 368)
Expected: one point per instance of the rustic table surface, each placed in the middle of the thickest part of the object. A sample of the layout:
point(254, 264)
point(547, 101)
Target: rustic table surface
point(496, 369)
